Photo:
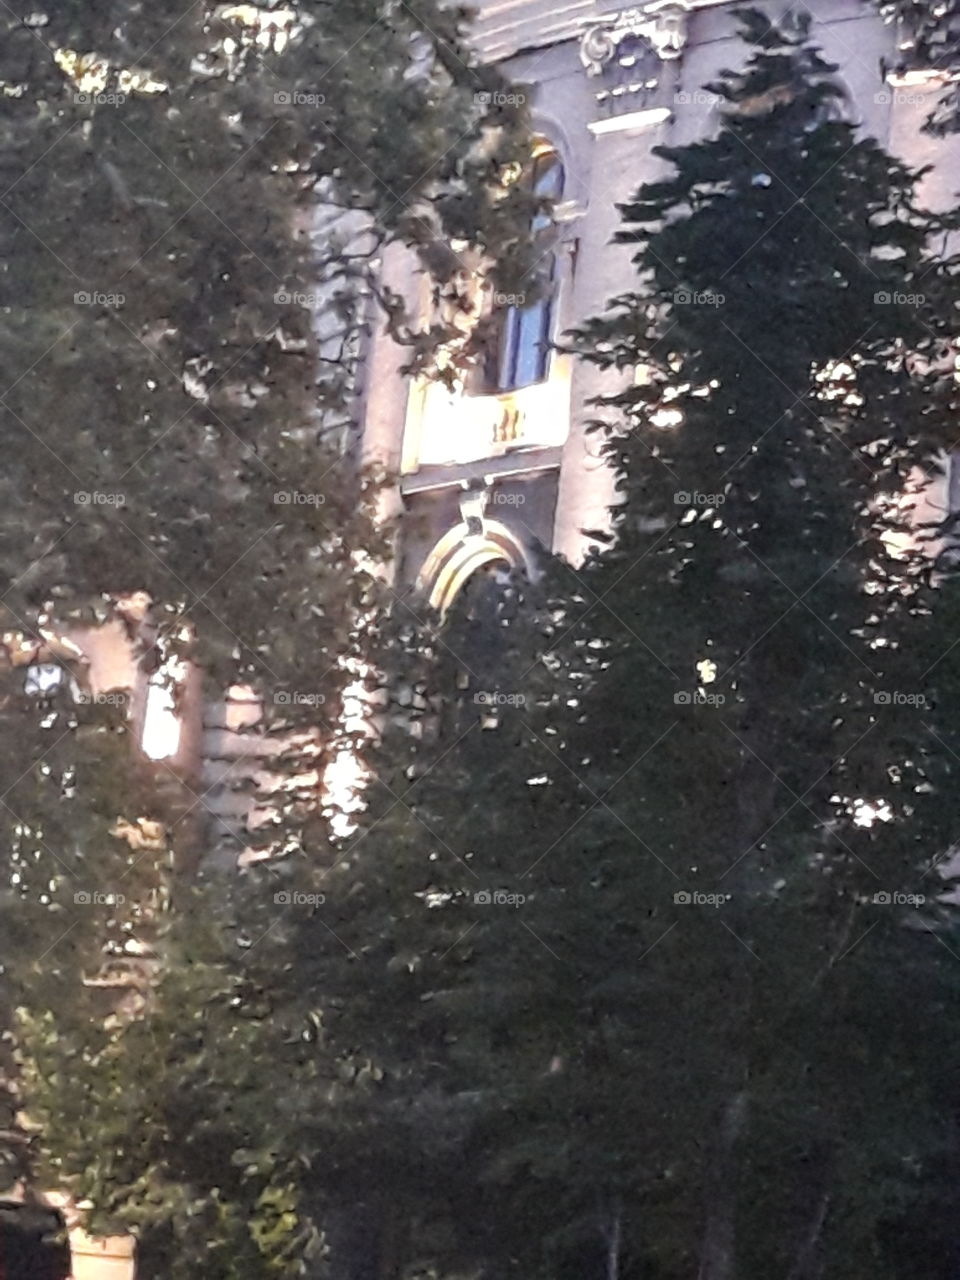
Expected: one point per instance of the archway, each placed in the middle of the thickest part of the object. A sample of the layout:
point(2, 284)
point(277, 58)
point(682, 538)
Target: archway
point(460, 553)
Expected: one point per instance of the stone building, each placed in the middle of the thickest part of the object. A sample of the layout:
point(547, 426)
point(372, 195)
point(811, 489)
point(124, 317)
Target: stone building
point(489, 474)
point(504, 466)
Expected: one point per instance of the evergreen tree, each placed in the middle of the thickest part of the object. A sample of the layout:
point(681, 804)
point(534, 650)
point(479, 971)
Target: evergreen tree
point(713, 1033)
point(748, 698)
point(929, 40)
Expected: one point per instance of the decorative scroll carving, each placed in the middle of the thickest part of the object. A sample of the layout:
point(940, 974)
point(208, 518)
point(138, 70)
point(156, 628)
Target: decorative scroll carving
point(509, 426)
point(661, 27)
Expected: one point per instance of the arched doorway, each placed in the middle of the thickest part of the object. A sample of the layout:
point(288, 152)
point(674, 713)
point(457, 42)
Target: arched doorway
point(461, 553)
point(475, 581)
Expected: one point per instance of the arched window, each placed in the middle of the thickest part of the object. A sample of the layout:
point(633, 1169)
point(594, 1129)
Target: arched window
point(475, 581)
point(522, 353)
point(461, 552)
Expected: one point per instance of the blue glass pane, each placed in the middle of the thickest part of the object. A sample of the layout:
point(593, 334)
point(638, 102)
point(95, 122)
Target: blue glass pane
point(548, 176)
point(508, 349)
point(525, 331)
point(548, 182)
point(531, 359)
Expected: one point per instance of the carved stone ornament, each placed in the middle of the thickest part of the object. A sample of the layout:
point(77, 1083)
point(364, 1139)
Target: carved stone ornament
point(662, 25)
point(473, 504)
point(509, 426)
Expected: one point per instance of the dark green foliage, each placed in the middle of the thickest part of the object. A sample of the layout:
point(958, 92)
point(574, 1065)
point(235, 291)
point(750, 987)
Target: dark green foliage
point(182, 312)
point(499, 1034)
point(749, 698)
point(928, 40)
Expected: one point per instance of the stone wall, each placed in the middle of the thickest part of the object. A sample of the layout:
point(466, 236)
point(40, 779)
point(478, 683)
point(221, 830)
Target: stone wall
point(605, 123)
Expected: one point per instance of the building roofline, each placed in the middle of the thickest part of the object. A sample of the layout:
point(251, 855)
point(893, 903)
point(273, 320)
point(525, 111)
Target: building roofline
point(505, 29)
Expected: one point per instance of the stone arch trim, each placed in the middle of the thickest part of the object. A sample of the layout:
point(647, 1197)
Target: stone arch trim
point(549, 134)
point(460, 553)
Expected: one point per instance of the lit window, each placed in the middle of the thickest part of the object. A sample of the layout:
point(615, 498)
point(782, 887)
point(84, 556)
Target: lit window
point(523, 355)
point(161, 722)
point(43, 678)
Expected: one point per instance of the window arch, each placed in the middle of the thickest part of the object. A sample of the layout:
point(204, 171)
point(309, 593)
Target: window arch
point(523, 333)
point(460, 553)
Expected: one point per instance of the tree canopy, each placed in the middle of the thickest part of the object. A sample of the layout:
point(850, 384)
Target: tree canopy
point(648, 969)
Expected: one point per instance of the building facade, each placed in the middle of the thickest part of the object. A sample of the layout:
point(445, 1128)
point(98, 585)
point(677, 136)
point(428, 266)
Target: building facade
point(490, 474)
point(505, 464)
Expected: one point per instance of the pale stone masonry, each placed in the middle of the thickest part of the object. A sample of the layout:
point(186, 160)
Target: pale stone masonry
point(607, 85)
point(492, 475)
point(501, 471)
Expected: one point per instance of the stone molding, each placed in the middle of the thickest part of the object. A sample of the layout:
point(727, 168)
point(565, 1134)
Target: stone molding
point(662, 26)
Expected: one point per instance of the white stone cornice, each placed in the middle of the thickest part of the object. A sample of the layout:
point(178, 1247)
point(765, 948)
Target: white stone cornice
point(921, 78)
point(631, 120)
point(520, 462)
point(502, 28)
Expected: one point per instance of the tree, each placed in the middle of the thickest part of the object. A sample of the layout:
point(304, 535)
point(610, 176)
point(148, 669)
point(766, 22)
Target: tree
point(929, 40)
point(710, 1036)
point(184, 311)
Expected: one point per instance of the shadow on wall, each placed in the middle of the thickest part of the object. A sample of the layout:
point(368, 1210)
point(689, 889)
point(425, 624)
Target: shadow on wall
point(44, 1241)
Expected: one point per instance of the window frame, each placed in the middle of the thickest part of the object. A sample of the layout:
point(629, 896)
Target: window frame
point(521, 350)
